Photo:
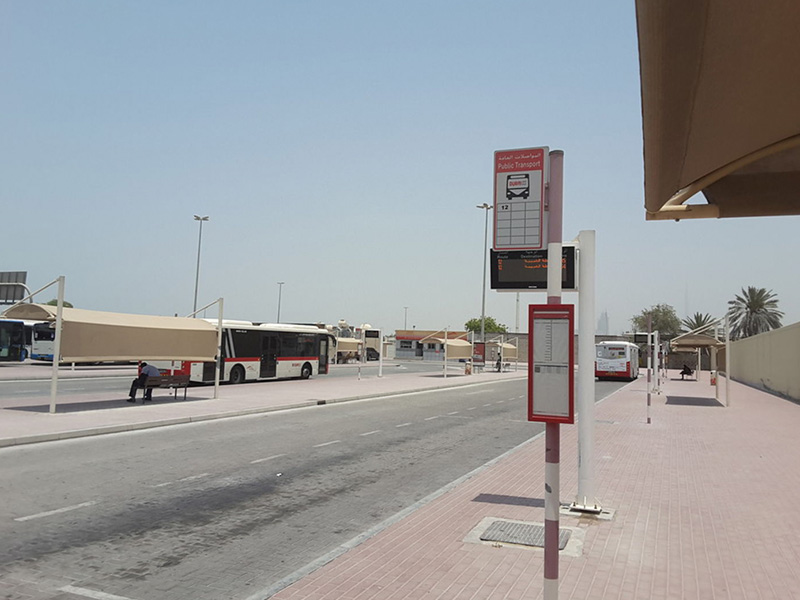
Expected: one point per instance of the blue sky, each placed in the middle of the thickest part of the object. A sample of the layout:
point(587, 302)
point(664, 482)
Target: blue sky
point(340, 148)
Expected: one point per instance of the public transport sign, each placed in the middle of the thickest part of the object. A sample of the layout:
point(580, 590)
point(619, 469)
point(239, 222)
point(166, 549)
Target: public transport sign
point(519, 183)
point(551, 363)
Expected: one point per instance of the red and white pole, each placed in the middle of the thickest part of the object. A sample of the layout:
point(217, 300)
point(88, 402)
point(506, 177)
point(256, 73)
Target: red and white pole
point(552, 476)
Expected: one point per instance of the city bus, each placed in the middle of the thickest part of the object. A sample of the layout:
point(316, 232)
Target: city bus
point(43, 342)
point(12, 341)
point(616, 360)
point(260, 351)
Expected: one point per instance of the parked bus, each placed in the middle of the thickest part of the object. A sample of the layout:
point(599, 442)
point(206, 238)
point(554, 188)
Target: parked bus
point(44, 336)
point(616, 360)
point(12, 341)
point(259, 351)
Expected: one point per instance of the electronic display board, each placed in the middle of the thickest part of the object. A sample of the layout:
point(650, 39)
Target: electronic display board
point(520, 270)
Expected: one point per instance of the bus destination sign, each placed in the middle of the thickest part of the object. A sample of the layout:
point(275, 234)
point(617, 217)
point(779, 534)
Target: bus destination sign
point(521, 270)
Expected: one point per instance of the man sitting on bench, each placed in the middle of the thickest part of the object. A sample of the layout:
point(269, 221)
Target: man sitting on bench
point(141, 380)
point(686, 371)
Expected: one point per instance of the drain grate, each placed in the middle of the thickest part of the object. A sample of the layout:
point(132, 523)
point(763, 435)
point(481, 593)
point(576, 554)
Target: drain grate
point(521, 533)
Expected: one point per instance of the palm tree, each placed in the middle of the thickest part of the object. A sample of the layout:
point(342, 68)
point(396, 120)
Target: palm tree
point(696, 321)
point(754, 311)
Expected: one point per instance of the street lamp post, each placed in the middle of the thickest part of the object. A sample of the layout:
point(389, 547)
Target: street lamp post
point(405, 318)
point(280, 290)
point(487, 208)
point(197, 274)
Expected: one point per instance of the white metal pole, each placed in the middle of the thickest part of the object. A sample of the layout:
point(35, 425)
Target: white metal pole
point(586, 356)
point(220, 360)
point(649, 364)
point(380, 356)
point(197, 272)
point(57, 344)
point(445, 352)
point(728, 359)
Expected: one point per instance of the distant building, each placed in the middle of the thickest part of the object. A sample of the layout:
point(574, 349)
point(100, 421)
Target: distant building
point(602, 324)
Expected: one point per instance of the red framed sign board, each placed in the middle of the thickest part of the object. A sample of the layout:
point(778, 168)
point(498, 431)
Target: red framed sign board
point(551, 363)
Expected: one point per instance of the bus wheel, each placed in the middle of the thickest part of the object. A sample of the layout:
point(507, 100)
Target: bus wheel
point(237, 374)
point(305, 372)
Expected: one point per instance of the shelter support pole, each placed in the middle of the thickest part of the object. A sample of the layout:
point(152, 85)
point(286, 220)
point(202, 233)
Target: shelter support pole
point(728, 359)
point(552, 484)
point(585, 500)
point(219, 349)
point(57, 345)
point(445, 352)
point(649, 363)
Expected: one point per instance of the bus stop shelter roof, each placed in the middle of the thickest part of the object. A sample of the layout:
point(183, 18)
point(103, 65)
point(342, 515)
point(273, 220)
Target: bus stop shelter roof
point(720, 93)
point(456, 349)
point(689, 343)
point(90, 335)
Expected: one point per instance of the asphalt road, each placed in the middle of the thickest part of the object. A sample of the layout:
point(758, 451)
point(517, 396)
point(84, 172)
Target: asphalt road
point(230, 508)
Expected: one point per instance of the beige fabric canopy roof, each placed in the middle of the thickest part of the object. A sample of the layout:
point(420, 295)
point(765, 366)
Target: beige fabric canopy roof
point(508, 350)
point(687, 343)
point(456, 349)
point(89, 335)
point(348, 344)
point(720, 97)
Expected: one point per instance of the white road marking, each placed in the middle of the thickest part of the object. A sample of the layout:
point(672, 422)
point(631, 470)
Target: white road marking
point(455, 412)
point(260, 460)
point(193, 477)
point(190, 478)
point(328, 443)
point(473, 408)
point(474, 393)
point(403, 425)
point(488, 404)
point(432, 418)
point(78, 591)
point(369, 433)
point(56, 511)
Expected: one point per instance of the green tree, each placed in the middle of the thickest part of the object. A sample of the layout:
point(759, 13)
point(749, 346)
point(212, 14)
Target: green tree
point(696, 321)
point(54, 302)
point(754, 311)
point(490, 325)
point(664, 320)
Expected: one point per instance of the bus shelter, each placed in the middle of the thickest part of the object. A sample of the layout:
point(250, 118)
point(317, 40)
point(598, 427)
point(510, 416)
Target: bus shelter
point(697, 342)
point(94, 336)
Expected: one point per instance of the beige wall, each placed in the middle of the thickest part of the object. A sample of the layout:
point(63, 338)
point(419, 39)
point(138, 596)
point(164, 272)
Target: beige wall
point(770, 361)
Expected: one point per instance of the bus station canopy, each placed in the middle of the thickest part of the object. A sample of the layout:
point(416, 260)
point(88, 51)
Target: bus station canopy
point(720, 97)
point(456, 349)
point(89, 335)
point(691, 342)
point(348, 344)
point(507, 350)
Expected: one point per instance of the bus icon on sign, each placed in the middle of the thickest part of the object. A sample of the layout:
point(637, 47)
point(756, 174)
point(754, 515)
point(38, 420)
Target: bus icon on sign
point(518, 186)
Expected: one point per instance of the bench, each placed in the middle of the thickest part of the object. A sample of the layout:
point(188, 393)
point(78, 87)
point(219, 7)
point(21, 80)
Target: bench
point(173, 382)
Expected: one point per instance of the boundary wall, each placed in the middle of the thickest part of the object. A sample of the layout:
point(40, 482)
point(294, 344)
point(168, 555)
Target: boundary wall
point(769, 361)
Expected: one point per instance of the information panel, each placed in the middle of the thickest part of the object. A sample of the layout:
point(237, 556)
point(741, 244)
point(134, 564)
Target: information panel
point(522, 270)
point(519, 183)
point(551, 363)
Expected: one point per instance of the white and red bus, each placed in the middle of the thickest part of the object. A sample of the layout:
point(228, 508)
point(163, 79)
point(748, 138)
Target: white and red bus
point(260, 351)
point(616, 360)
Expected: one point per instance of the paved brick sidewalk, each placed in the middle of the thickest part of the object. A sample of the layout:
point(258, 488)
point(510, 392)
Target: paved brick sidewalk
point(703, 502)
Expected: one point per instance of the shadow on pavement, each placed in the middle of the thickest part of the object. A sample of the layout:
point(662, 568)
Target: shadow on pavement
point(70, 407)
point(693, 401)
point(511, 500)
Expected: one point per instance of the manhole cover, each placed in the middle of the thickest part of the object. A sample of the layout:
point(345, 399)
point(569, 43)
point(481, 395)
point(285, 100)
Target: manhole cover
point(521, 533)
